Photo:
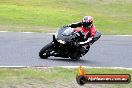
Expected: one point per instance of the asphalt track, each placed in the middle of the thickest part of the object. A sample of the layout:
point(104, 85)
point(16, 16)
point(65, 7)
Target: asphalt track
point(21, 49)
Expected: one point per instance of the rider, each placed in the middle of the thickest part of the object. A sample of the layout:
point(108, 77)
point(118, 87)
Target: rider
point(88, 29)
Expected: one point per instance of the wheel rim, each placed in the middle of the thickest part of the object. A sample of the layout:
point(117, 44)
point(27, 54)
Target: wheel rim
point(45, 54)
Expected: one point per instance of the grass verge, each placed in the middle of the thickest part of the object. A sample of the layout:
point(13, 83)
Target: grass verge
point(53, 77)
point(111, 16)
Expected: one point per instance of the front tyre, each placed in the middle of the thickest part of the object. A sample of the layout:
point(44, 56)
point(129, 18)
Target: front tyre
point(45, 51)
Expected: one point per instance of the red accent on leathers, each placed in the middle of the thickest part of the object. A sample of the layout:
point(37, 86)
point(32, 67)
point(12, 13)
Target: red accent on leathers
point(92, 31)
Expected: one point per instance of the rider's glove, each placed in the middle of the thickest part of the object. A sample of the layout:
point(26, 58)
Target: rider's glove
point(67, 26)
point(63, 26)
point(83, 35)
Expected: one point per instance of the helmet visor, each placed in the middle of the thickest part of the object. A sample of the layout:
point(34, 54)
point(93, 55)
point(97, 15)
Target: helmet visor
point(87, 24)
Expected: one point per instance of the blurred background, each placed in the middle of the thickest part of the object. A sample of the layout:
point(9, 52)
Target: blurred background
point(110, 16)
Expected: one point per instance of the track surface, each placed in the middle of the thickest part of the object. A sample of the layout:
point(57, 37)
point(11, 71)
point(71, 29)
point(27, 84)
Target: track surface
point(21, 49)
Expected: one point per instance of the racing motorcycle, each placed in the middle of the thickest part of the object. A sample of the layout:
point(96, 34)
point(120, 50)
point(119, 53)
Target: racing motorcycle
point(67, 43)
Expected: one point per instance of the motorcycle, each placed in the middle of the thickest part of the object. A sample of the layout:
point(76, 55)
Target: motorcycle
point(67, 43)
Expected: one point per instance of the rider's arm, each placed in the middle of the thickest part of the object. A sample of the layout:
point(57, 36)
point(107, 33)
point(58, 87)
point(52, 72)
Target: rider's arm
point(74, 25)
point(92, 34)
point(93, 31)
point(86, 42)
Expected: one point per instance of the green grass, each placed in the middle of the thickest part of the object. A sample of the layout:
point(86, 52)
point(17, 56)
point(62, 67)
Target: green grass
point(52, 77)
point(111, 16)
point(34, 78)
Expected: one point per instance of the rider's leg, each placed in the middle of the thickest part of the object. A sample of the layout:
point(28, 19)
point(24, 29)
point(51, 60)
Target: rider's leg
point(85, 48)
point(95, 38)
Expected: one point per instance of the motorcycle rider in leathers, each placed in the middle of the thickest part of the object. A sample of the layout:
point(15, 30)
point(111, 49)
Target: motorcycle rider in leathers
point(88, 31)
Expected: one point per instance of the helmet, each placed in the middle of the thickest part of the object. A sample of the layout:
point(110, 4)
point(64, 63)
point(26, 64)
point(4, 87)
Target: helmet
point(87, 21)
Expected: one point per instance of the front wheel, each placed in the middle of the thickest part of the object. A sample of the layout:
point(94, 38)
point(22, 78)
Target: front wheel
point(45, 51)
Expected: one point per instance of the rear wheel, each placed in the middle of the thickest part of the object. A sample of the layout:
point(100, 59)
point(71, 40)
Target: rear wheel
point(45, 51)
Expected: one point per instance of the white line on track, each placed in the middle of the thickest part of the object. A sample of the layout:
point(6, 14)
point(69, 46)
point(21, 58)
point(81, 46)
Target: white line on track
point(121, 35)
point(4, 31)
point(51, 33)
point(97, 67)
point(27, 32)
point(54, 33)
point(64, 67)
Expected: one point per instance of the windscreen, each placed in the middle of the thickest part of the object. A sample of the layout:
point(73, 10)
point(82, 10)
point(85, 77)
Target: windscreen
point(68, 31)
point(64, 33)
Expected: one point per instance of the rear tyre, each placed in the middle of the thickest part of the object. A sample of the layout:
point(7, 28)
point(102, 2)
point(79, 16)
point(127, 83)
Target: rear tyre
point(45, 51)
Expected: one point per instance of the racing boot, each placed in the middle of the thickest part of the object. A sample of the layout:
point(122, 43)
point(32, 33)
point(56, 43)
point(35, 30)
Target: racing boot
point(84, 49)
